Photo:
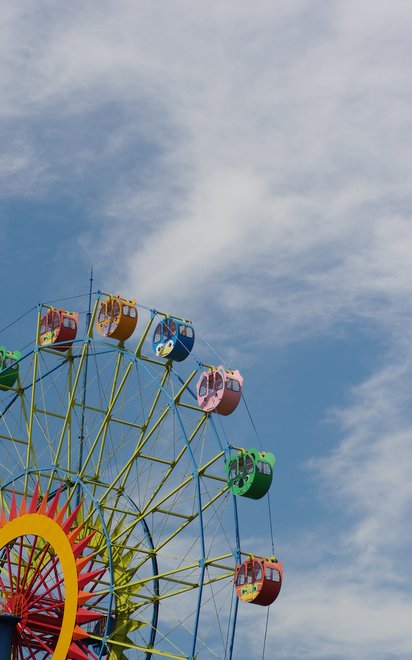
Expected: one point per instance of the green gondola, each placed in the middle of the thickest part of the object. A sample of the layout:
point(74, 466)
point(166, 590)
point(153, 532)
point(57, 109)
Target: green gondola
point(9, 368)
point(250, 473)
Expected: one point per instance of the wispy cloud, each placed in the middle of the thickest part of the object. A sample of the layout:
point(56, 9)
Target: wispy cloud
point(347, 591)
point(278, 173)
point(368, 473)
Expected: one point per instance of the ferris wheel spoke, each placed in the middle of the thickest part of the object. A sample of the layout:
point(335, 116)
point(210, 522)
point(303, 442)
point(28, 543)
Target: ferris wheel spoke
point(106, 419)
point(44, 590)
point(22, 653)
point(122, 476)
point(30, 456)
point(14, 443)
point(70, 404)
point(58, 582)
point(32, 636)
point(46, 606)
point(12, 584)
point(172, 467)
point(19, 560)
point(39, 564)
point(28, 563)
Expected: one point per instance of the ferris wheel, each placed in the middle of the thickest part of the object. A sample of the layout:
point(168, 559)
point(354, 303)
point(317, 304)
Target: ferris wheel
point(119, 491)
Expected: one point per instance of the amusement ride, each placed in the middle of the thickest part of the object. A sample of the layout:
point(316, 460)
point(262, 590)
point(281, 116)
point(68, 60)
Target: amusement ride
point(121, 491)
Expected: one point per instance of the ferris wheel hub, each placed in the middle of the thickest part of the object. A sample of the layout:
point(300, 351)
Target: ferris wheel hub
point(18, 607)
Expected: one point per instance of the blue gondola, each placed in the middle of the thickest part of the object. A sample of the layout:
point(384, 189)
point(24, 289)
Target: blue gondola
point(173, 339)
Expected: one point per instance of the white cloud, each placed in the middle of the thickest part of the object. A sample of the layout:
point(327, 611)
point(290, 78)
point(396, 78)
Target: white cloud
point(347, 584)
point(281, 163)
point(321, 618)
point(369, 472)
point(285, 183)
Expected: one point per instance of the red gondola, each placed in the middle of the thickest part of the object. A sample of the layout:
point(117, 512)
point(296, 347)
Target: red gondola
point(219, 390)
point(258, 580)
point(117, 318)
point(58, 329)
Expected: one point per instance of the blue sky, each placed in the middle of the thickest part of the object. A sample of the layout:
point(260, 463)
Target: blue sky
point(249, 167)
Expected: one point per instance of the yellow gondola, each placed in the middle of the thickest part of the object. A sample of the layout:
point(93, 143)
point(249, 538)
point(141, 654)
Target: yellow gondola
point(117, 318)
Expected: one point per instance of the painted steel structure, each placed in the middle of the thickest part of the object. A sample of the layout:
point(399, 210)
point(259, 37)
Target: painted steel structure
point(113, 484)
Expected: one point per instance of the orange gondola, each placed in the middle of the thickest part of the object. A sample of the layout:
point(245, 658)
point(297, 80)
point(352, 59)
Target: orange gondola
point(117, 318)
point(258, 580)
point(58, 329)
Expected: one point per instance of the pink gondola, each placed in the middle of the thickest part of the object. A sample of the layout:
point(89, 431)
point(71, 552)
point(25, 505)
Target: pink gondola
point(219, 390)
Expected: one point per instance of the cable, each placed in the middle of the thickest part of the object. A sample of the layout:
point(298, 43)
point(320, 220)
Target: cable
point(222, 361)
point(82, 295)
point(252, 422)
point(18, 319)
point(265, 635)
point(271, 525)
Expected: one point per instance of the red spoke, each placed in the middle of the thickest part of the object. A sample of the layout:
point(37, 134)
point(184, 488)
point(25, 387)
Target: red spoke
point(58, 585)
point(29, 562)
point(48, 608)
point(44, 593)
point(43, 645)
point(57, 606)
point(27, 657)
point(39, 566)
point(43, 576)
point(98, 599)
point(10, 570)
point(19, 560)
